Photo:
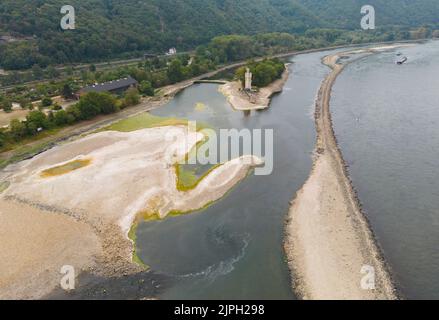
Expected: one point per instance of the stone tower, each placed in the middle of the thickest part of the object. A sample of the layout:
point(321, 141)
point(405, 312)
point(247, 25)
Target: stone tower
point(248, 80)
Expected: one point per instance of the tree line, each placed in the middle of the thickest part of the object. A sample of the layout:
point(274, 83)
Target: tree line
point(89, 106)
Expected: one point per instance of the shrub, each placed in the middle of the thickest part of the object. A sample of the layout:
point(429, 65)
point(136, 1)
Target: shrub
point(46, 102)
point(132, 97)
point(146, 88)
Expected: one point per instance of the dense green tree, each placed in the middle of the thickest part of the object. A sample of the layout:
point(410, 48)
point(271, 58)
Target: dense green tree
point(36, 120)
point(89, 106)
point(264, 72)
point(93, 104)
point(67, 92)
point(37, 71)
point(175, 71)
point(74, 112)
point(24, 102)
point(132, 97)
point(61, 118)
point(6, 105)
point(17, 129)
point(46, 102)
point(146, 88)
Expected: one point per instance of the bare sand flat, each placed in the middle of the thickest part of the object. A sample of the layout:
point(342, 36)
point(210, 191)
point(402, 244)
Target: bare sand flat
point(75, 204)
point(6, 117)
point(328, 239)
point(35, 245)
point(255, 101)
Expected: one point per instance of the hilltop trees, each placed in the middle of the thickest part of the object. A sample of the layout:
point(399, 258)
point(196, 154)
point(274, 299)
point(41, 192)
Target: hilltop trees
point(232, 48)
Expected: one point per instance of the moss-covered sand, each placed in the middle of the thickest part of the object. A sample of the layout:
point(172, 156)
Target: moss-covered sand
point(65, 168)
point(4, 185)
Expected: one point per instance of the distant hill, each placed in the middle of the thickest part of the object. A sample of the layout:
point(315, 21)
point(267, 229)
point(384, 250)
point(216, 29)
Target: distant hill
point(119, 28)
point(344, 13)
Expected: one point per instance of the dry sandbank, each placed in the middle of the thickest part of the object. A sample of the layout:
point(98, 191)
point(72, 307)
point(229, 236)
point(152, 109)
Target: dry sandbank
point(328, 239)
point(82, 218)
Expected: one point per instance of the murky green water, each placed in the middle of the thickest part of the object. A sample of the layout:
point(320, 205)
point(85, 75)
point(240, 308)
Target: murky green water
point(234, 249)
point(386, 119)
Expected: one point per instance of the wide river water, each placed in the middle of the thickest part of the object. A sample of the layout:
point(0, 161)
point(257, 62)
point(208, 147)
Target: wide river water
point(234, 248)
point(386, 119)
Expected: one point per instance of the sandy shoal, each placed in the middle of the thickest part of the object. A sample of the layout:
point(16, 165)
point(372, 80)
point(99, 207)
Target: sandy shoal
point(35, 245)
point(328, 239)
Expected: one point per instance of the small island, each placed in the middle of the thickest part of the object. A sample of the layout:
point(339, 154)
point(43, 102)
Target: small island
point(255, 84)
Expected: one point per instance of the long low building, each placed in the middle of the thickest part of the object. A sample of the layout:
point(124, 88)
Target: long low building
point(116, 86)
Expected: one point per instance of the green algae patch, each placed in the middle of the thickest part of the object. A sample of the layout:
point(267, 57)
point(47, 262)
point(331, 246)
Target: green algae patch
point(187, 179)
point(149, 216)
point(145, 121)
point(200, 107)
point(133, 237)
point(4, 185)
point(65, 168)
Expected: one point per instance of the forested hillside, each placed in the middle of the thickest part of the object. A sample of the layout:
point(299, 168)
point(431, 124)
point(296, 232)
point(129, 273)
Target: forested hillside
point(120, 28)
point(344, 13)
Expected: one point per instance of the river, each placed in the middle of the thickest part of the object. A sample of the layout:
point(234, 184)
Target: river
point(386, 119)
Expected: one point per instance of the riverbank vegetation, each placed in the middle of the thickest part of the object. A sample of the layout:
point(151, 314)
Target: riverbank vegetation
point(40, 123)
